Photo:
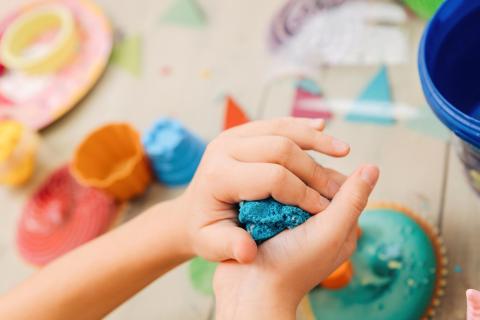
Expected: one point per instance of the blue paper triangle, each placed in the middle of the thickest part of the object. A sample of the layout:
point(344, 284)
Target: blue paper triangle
point(377, 92)
point(378, 89)
point(310, 86)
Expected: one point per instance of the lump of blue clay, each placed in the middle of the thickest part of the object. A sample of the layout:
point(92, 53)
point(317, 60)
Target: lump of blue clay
point(264, 219)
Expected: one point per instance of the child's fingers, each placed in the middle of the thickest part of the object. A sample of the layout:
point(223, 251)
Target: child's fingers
point(351, 199)
point(283, 151)
point(338, 177)
point(473, 304)
point(346, 206)
point(228, 241)
point(255, 127)
point(301, 131)
point(256, 181)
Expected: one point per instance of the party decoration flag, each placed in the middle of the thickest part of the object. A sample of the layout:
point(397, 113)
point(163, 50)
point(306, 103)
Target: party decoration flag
point(376, 95)
point(234, 115)
point(201, 275)
point(307, 89)
point(126, 54)
point(425, 9)
point(185, 13)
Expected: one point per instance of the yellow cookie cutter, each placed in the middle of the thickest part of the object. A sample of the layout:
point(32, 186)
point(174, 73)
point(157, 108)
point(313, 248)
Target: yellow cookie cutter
point(26, 29)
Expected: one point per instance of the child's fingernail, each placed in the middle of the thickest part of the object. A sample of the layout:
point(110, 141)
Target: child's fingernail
point(369, 174)
point(317, 123)
point(339, 146)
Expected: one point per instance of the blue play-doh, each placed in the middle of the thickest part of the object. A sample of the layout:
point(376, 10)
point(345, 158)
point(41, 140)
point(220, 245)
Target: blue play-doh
point(173, 152)
point(264, 219)
point(449, 67)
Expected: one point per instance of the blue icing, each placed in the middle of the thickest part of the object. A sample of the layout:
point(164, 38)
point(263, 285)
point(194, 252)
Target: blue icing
point(394, 272)
point(264, 219)
point(174, 152)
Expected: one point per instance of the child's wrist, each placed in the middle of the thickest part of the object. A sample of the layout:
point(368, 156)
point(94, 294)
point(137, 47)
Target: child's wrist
point(181, 215)
point(254, 297)
point(175, 217)
point(267, 305)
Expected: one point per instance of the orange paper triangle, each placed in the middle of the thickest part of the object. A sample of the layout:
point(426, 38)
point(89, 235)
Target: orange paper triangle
point(234, 115)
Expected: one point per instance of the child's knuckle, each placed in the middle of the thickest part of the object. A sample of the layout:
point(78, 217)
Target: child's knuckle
point(284, 148)
point(278, 175)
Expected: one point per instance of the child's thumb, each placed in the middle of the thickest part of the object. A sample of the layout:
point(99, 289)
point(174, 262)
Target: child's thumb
point(231, 242)
point(351, 199)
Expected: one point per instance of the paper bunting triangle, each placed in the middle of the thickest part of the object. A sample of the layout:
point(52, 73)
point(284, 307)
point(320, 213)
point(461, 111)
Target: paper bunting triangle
point(201, 275)
point(234, 115)
point(126, 54)
point(308, 90)
point(426, 123)
point(309, 86)
point(184, 12)
point(376, 95)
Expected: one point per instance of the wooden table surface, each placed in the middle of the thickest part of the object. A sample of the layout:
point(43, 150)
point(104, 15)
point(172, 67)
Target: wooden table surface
point(416, 170)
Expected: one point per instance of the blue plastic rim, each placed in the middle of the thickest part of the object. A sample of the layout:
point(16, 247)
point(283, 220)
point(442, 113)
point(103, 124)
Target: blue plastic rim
point(449, 67)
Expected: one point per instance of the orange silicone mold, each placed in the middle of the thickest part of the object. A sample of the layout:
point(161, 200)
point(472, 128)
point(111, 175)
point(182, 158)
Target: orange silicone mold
point(111, 158)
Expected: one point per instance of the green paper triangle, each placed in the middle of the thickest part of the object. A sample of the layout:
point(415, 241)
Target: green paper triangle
point(184, 12)
point(424, 8)
point(377, 92)
point(201, 275)
point(126, 54)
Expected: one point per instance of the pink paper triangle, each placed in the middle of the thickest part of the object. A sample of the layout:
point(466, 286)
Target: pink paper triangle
point(322, 111)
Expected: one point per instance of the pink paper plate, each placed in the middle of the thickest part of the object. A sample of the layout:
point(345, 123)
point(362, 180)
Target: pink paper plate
point(37, 101)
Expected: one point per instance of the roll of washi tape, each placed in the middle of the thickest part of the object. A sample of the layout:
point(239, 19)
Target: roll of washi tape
point(111, 158)
point(18, 50)
point(62, 215)
point(18, 149)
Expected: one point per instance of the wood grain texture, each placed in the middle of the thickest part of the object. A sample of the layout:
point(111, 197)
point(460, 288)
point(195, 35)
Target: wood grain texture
point(232, 49)
point(460, 229)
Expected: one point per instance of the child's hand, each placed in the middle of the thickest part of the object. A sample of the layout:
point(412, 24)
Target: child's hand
point(293, 262)
point(473, 304)
point(252, 162)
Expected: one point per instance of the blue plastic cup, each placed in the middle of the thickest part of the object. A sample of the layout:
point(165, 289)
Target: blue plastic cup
point(449, 67)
